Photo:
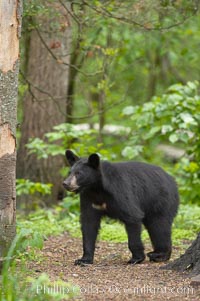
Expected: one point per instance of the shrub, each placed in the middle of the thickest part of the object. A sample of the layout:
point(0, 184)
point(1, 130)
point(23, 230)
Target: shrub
point(174, 118)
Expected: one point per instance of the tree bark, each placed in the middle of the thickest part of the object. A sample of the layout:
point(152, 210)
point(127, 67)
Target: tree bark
point(44, 104)
point(190, 261)
point(10, 23)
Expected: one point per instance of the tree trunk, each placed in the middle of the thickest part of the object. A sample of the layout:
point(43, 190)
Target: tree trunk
point(10, 23)
point(190, 261)
point(44, 104)
point(76, 63)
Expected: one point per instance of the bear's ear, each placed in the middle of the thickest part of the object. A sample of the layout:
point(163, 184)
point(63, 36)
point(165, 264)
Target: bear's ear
point(71, 157)
point(94, 161)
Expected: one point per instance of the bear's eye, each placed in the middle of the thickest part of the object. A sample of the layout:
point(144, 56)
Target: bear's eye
point(77, 173)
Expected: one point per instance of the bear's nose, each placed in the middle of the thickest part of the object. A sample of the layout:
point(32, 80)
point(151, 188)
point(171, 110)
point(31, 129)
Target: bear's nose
point(66, 185)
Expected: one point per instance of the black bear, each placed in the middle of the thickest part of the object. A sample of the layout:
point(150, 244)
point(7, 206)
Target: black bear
point(135, 193)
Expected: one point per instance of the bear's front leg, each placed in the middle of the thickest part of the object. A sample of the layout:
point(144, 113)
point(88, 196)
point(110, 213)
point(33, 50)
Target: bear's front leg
point(90, 224)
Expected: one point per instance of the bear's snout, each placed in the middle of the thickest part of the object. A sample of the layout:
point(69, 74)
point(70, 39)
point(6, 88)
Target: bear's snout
point(70, 184)
point(66, 185)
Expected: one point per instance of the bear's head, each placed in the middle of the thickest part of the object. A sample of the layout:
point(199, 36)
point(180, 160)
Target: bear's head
point(84, 172)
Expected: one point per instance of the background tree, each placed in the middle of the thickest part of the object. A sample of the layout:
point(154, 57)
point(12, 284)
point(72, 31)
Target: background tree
point(47, 53)
point(117, 59)
point(131, 51)
point(122, 53)
point(10, 20)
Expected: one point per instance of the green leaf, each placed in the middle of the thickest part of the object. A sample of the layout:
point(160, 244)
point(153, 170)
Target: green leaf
point(166, 128)
point(152, 132)
point(148, 106)
point(183, 136)
point(145, 119)
point(173, 138)
point(128, 110)
point(175, 88)
point(187, 118)
point(192, 85)
point(53, 136)
point(131, 152)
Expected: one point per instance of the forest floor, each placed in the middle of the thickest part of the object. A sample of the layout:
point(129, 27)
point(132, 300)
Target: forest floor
point(110, 278)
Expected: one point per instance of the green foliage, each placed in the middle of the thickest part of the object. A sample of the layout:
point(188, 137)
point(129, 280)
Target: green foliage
point(112, 231)
point(186, 226)
point(56, 142)
point(42, 224)
point(175, 116)
point(172, 117)
point(111, 46)
point(15, 287)
point(69, 204)
point(25, 186)
point(128, 59)
point(36, 8)
point(33, 190)
point(116, 57)
point(31, 232)
point(28, 239)
point(118, 63)
point(33, 8)
point(65, 136)
point(188, 219)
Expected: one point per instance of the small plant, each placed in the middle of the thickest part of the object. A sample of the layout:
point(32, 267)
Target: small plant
point(174, 118)
point(32, 189)
point(17, 285)
point(25, 186)
point(63, 136)
point(69, 204)
point(186, 226)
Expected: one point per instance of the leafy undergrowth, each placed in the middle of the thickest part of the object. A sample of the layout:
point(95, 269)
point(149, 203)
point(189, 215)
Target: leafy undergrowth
point(38, 226)
point(185, 227)
point(43, 223)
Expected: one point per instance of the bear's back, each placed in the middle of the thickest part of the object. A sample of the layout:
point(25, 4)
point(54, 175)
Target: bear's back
point(148, 185)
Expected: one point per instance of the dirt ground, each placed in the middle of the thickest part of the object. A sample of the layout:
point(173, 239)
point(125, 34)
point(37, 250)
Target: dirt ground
point(110, 278)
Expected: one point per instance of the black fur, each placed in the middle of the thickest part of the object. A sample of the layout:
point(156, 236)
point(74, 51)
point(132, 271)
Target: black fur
point(135, 193)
